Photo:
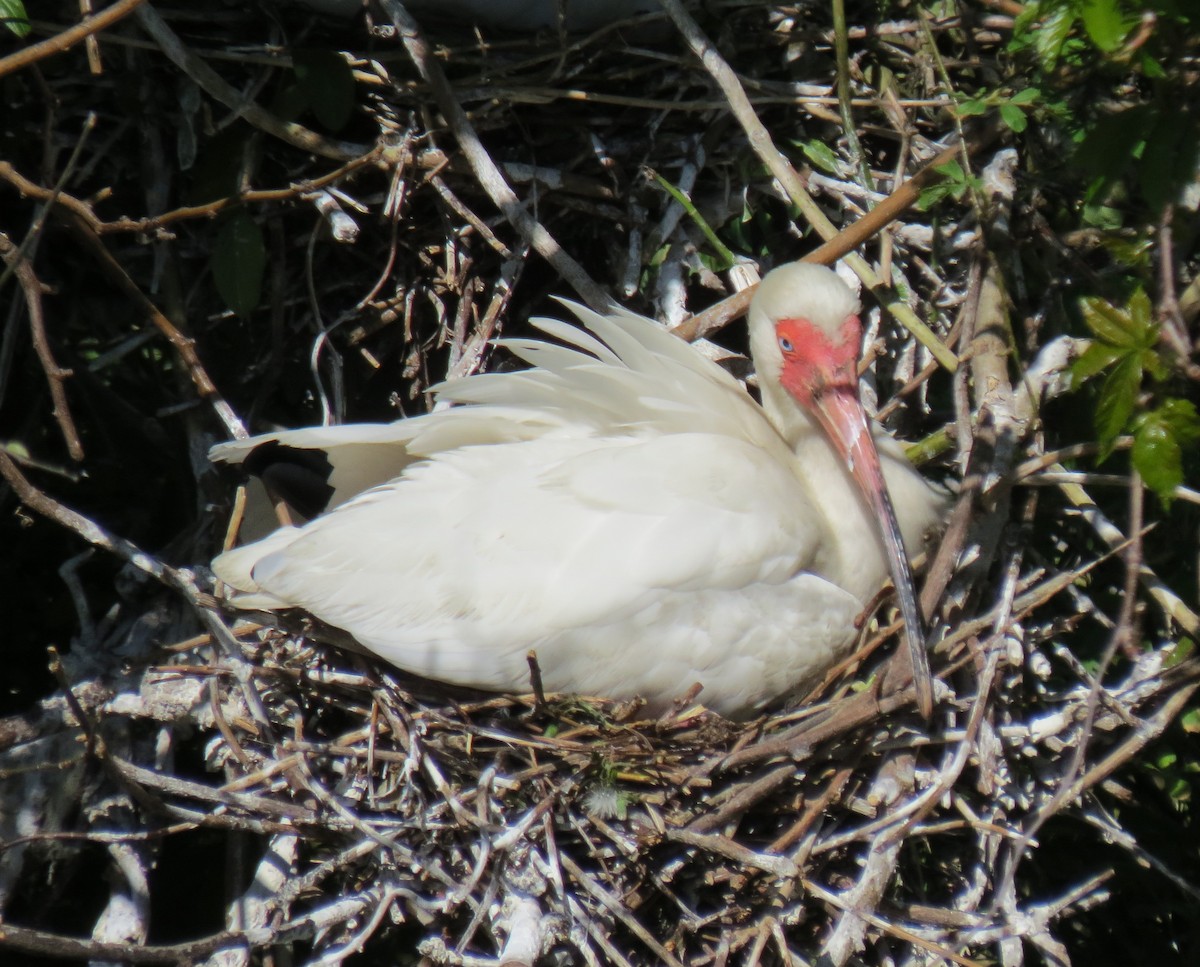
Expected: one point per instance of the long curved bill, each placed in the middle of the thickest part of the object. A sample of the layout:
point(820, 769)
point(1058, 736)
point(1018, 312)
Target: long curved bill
point(842, 417)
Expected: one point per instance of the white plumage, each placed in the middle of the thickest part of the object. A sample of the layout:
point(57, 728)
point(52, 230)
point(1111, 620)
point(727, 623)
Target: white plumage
point(624, 509)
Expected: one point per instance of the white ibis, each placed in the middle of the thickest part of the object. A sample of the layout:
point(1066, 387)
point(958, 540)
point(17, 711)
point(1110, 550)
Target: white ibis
point(623, 509)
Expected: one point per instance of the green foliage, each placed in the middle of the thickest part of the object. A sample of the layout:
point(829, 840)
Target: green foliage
point(1107, 23)
point(238, 262)
point(955, 184)
point(12, 13)
point(820, 155)
point(1159, 438)
point(724, 258)
point(1130, 105)
point(217, 172)
point(1012, 107)
point(1125, 349)
point(326, 84)
point(1174, 774)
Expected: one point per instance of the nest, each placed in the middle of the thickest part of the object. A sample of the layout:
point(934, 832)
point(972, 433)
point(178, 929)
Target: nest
point(253, 795)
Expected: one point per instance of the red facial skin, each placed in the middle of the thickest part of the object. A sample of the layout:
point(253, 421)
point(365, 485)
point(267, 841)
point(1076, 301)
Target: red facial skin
point(815, 362)
point(821, 374)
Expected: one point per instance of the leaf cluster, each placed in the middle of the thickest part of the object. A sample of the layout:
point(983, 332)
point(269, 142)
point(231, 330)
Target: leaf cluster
point(1126, 349)
point(1113, 76)
point(14, 18)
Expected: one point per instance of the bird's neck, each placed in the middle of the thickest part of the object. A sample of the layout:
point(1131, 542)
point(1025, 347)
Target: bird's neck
point(792, 422)
point(851, 554)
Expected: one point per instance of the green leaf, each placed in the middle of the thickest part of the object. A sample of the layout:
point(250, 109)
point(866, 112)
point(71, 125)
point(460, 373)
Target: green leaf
point(1027, 96)
point(819, 153)
point(289, 102)
point(1181, 417)
point(1106, 23)
point(932, 195)
point(1125, 329)
point(238, 262)
point(951, 170)
point(1014, 117)
point(1118, 398)
point(1152, 68)
point(1102, 216)
point(1109, 147)
point(1158, 458)
point(1166, 759)
point(1142, 325)
point(1107, 322)
point(1153, 364)
point(972, 108)
point(1185, 648)
point(1095, 359)
point(1051, 38)
point(12, 12)
point(217, 172)
point(328, 83)
point(1168, 162)
point(1132, 253)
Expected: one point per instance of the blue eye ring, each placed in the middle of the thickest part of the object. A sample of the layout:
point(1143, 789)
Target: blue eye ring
point(785, 344)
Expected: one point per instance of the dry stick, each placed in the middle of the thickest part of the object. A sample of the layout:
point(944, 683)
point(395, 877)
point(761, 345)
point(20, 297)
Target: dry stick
point(851, 237)
point(56, 376)
point(181, 579)
point(858, 709)
point(1173, 327)
point(1121, 637)
point(764, 147)
point(615, 907)
point(219, 89)
point(862, 902)
point(184, 346)
point(841, 902)
point(841, 45)
point(1151, 728)
point(92, 532)
point(68, 38)
point(486, 172)
point(1172, 605)
point(303, 927)
point(153, 224)
point(781, 866)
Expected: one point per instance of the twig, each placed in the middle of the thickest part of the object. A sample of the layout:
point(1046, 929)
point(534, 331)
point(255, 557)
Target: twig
point(155, 224)
point(56, 376)
point(219, 89)
point(780, 167)
point(68, 38)
point(489, 176)
point(185, 347)
point(841, 243)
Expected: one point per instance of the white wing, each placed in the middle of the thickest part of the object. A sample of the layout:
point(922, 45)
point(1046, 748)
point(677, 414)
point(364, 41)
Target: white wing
point(648, 381)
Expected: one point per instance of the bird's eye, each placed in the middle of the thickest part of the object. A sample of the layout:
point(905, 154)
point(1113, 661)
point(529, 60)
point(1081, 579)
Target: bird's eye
point(785, 344)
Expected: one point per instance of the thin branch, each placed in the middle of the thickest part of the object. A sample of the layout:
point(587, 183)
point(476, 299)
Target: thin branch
point(64, 41)
point(490, 178)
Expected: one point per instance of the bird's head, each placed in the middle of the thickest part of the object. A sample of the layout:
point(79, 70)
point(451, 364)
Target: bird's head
point(804, 331)
point(805, 336)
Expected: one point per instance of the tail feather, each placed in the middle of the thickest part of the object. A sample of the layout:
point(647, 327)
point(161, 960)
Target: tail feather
point(236, 569)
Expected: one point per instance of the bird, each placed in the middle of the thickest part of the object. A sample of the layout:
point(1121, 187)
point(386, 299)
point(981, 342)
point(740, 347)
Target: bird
point(622, 510)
